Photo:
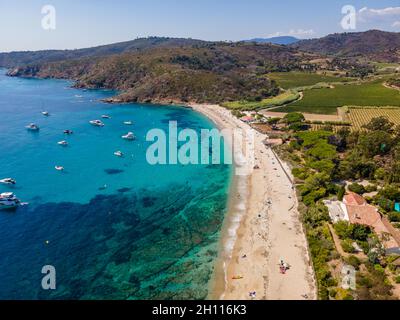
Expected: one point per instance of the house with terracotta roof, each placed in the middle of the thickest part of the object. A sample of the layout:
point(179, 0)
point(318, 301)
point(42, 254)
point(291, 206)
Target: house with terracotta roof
point(360, 212)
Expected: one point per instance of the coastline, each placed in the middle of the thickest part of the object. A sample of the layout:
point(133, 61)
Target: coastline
point(261, 227)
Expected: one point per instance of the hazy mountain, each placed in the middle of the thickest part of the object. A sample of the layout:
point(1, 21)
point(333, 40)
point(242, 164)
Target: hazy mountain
point(284, 40)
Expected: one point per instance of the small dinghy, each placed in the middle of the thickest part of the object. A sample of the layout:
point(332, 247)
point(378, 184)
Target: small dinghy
point(128, 123)
point(96, 123)
point(118, 154)
point(32, 127)
point(129, 136)
point(45, 113)
point(59, 168)
point(68, 132)
point(8, 181)
point(62, 143)
point(104, 116)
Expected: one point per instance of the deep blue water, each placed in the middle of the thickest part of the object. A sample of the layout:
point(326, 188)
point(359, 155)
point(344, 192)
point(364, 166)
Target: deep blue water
point(114, 228)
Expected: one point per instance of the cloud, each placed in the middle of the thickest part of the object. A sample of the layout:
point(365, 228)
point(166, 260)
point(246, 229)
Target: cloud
point(389, 15)
point(293, 32)
point(396, 24)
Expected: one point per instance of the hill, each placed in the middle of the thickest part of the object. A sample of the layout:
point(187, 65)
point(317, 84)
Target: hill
point(20, 58)
point(374, 44)
point(205, 72)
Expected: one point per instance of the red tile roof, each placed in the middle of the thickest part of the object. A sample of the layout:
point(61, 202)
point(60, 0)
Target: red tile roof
point(354, 199)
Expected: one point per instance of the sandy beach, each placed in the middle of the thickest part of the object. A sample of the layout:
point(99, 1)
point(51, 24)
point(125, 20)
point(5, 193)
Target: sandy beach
point(261, 228)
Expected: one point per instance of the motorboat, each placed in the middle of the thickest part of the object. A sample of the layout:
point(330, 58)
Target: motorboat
point(128, 123)
point(129, 136)
point(8, 181)
point(62, 143)
point(8, 200)
point(97, 123)
point(68, 132)
point(59, 168)
point(118, 153)
point(45, 113)
point(104, 116)
point(32, 127)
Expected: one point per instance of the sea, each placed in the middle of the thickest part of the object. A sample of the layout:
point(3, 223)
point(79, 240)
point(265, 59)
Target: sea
point(109, 227)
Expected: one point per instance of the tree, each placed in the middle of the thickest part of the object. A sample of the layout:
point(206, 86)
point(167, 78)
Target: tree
point(294, 117)
point(357, 188)
point(380, 124)
point(375, 143)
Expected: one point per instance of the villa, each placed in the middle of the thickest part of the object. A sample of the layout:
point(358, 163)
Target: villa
point(355, 209)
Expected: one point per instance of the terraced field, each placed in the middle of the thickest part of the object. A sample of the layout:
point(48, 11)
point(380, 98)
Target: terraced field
point(360, 116)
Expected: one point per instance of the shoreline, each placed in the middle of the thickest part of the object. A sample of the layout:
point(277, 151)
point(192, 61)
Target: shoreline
point(254, 237)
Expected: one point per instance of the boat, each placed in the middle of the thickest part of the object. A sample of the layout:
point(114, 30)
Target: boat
point(62, 143)
point(8, 181)
point(97, 123)
point(32, 127)
point(128, 123)
point(45, 113)
point(59, 168)
point(68, 132)
point(118, 153)
point(8, 200)
point(78, 96)
point(104, 116)
point(129, 136)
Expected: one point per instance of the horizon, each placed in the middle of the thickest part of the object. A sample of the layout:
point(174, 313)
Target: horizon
point(89, 24)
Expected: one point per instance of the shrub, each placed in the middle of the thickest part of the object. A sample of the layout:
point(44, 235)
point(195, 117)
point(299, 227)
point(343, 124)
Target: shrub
point(347, 246)
point(394, 216)
point(397, 279)
point(357, 188)
point(353, 261)
point(341, 193)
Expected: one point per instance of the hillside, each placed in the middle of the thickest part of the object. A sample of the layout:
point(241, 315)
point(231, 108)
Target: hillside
point(373, 44)
point(211, 72)
point(13, 59)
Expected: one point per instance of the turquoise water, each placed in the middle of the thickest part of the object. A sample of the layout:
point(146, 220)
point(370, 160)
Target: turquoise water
point(114, 228)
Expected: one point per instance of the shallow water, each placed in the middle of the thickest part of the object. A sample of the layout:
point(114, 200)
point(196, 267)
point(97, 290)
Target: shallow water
point(115, 228)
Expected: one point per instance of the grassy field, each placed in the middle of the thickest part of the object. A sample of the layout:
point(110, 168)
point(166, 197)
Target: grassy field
point(326, 101)
point(284, 98)
point(288, 80)
point(360, 116)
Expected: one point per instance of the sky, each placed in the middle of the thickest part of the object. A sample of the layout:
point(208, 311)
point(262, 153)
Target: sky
point(86, 23)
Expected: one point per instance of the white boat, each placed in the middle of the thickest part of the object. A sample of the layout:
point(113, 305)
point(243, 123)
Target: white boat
point(45, 113)
point(32, 127)
point(128, 123)
point(129, 136)
point(8, 181)
point(62, 143)
point(8, 200)
point(59, 168)
point(96, 123)
point(118, 154)
point(104, 116)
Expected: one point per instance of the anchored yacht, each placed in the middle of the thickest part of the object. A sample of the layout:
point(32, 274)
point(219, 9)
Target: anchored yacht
point(8, 181)
point(8, 200)
point(32, 127)
point(129, 136)
point(97, 123)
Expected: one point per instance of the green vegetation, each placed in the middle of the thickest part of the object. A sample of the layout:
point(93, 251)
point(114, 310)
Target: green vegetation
point(296, 79)
point(279, 100)
point(321, 160)
point(326, 101)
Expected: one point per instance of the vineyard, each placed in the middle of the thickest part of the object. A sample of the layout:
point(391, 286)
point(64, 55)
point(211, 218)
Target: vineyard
point(360, 116)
